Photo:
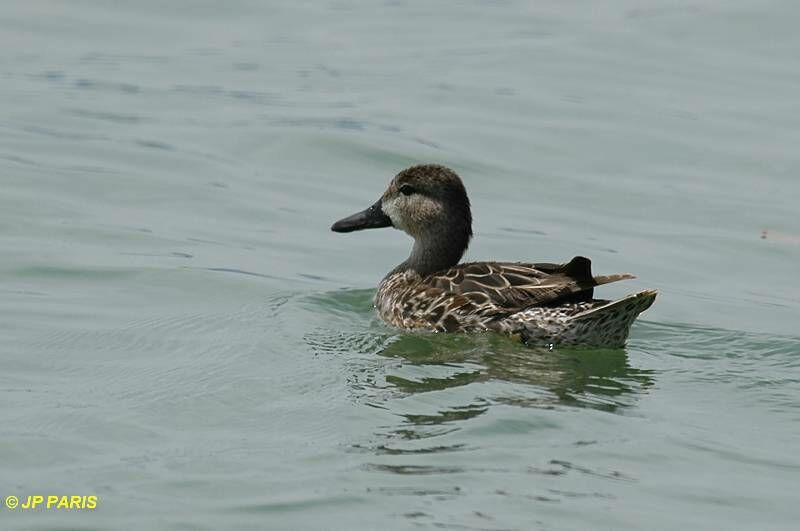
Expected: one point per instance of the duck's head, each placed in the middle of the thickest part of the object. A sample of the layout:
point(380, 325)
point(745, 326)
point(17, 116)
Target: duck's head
point(420, 200)
point(429, 203)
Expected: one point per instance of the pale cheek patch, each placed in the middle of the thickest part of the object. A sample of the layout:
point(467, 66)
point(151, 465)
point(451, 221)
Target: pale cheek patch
point(412, 214)
point(392, 209)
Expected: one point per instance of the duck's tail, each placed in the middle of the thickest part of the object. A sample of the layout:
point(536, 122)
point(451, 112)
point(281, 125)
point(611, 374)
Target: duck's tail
point(603, 324)
point(609, 325)
point(625, 309)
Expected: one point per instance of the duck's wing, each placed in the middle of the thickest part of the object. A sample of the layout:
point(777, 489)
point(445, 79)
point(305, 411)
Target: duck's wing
point(514, 286)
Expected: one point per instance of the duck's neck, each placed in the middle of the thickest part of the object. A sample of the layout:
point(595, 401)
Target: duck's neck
point(436, 251)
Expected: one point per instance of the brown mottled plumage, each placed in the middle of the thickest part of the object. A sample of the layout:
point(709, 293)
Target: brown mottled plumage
point(541, 303)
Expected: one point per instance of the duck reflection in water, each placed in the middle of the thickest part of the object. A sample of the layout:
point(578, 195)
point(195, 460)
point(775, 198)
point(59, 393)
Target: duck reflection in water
point(602, 379)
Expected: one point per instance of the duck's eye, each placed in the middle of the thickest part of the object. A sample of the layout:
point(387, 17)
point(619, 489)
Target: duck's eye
point(407, 189)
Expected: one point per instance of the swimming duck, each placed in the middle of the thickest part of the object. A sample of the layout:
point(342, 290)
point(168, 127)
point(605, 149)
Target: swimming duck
point(540, 303)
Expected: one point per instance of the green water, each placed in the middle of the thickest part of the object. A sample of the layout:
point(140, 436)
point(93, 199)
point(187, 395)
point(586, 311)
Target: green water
point(182, 336)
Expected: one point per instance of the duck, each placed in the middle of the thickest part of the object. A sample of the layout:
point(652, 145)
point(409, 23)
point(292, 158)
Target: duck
point(540, 304)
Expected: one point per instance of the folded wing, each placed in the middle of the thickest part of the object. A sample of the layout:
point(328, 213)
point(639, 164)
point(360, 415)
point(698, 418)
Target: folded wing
point(516, 286)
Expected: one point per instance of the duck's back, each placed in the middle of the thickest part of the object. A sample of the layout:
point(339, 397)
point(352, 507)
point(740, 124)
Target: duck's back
point(514, 286)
